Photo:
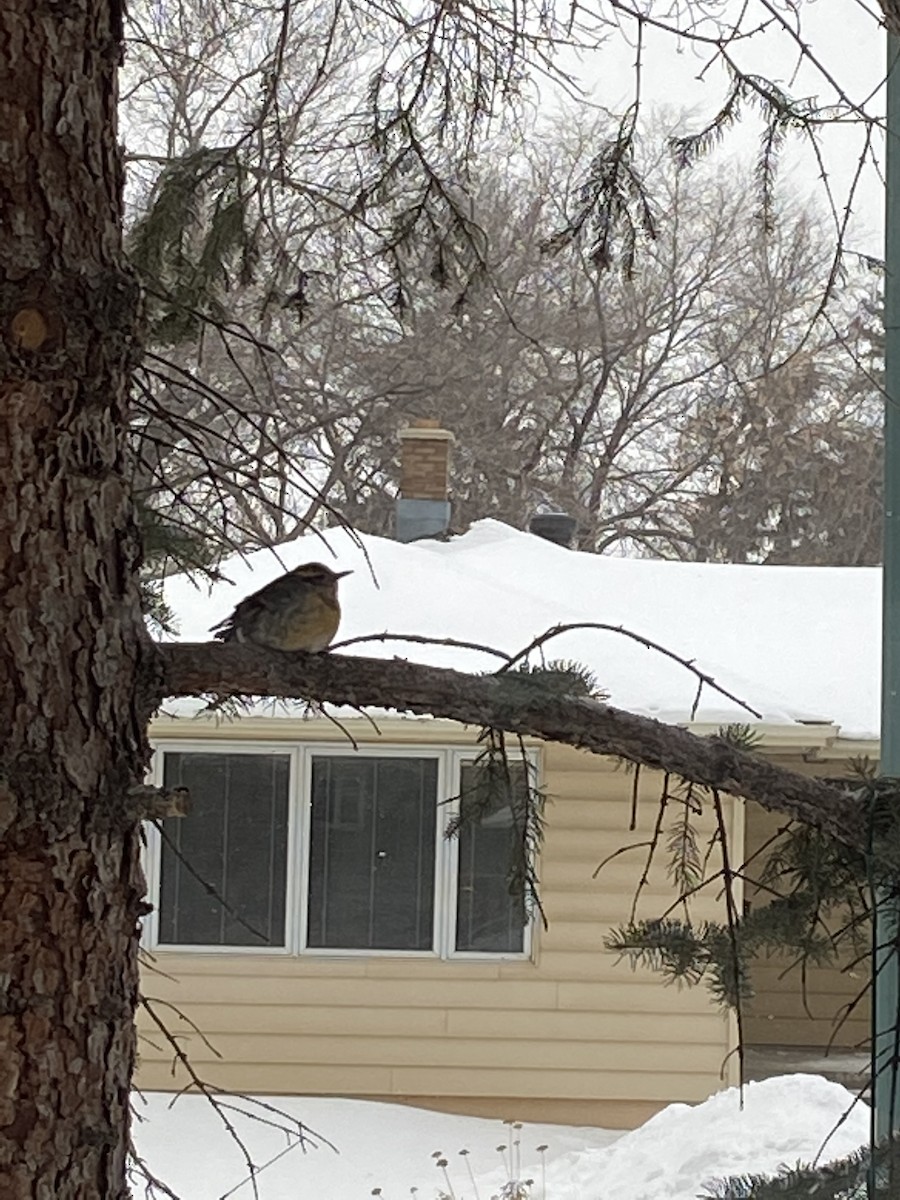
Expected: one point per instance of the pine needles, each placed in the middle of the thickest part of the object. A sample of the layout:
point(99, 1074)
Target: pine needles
point(865, 1175)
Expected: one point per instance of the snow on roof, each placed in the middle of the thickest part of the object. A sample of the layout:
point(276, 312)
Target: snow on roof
point(798, 644)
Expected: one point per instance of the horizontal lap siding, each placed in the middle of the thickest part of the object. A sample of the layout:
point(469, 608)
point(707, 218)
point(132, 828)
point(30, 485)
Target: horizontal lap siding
point(574, 1027)
point(512, 1025)
point(589, 1057)
point(787, 1009)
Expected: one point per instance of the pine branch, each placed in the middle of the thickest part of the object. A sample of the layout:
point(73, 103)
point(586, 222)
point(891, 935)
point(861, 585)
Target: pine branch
point(844, 1179)
point(192, 669)
point(497, 782)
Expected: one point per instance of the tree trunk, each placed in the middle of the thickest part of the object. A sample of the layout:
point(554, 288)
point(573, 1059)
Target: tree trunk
point(71, 638)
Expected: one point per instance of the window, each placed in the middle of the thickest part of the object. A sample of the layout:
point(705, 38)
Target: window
point(223, 870)
point(372, 853)
point(490, 910)
point(321, 851)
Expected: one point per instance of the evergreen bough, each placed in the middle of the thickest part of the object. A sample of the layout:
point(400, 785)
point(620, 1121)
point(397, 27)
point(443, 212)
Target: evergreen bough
point(865, 1175)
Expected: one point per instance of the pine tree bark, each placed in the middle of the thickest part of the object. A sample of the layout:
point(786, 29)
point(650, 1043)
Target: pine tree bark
point(513, 704)
point(71, 638)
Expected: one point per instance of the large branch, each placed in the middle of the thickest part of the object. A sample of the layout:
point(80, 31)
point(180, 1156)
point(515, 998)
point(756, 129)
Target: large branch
point(198, 668)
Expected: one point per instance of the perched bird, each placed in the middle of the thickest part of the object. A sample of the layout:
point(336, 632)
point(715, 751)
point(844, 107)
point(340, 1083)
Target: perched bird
point(298, 611)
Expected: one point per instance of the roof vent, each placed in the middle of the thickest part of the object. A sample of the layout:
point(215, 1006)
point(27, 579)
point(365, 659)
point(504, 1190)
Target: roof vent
point(556, 527)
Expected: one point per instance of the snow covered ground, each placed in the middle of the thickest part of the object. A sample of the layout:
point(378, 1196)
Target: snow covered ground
point(400, 1150)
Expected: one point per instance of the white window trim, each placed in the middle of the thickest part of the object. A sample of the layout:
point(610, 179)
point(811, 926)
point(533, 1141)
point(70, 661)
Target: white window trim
point(311, 751)
point(450, 761)
point(153, 853)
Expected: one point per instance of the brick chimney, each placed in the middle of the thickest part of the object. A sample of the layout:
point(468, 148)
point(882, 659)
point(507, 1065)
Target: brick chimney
point(423, 506)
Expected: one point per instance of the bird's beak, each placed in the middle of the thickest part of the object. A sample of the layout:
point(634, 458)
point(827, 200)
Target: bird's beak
point(341, 574)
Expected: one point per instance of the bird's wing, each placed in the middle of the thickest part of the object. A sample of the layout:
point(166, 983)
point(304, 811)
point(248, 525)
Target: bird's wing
point(271, 598)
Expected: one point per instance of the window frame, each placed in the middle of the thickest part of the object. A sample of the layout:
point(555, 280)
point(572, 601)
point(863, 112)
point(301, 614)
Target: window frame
point(333, 750)
point(450, 760)
point(153, 847)
point(459, 756)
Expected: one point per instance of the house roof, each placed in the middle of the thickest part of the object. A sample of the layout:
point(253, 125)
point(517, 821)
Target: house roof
point(798, 644)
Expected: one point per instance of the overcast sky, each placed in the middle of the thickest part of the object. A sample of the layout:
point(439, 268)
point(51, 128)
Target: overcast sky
point(843, 34)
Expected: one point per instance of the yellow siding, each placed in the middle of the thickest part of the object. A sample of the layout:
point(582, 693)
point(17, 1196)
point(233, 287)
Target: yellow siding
point(573, 1030)
point(789, 1010)
point(607, 1114)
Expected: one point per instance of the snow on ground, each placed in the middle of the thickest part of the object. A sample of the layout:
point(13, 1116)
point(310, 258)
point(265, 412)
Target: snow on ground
point(785, 1120)
point(797, 643)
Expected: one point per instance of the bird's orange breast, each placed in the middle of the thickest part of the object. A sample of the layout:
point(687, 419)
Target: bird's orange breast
point(311, 626)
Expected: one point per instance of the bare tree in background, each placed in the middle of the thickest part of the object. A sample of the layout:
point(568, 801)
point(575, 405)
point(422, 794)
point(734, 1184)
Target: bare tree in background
point(695, 403)
point(794, 469)
point(573, 375)
point(627, 398)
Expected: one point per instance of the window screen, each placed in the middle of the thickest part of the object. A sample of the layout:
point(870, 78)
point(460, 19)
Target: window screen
point(489, 917)
point(372, 853)
point(223, 865)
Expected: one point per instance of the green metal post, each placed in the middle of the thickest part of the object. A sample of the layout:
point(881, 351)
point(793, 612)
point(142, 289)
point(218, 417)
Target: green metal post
point(886, 1089)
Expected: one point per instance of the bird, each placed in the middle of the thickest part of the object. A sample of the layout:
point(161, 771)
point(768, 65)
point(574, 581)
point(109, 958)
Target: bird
point(297, 611)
